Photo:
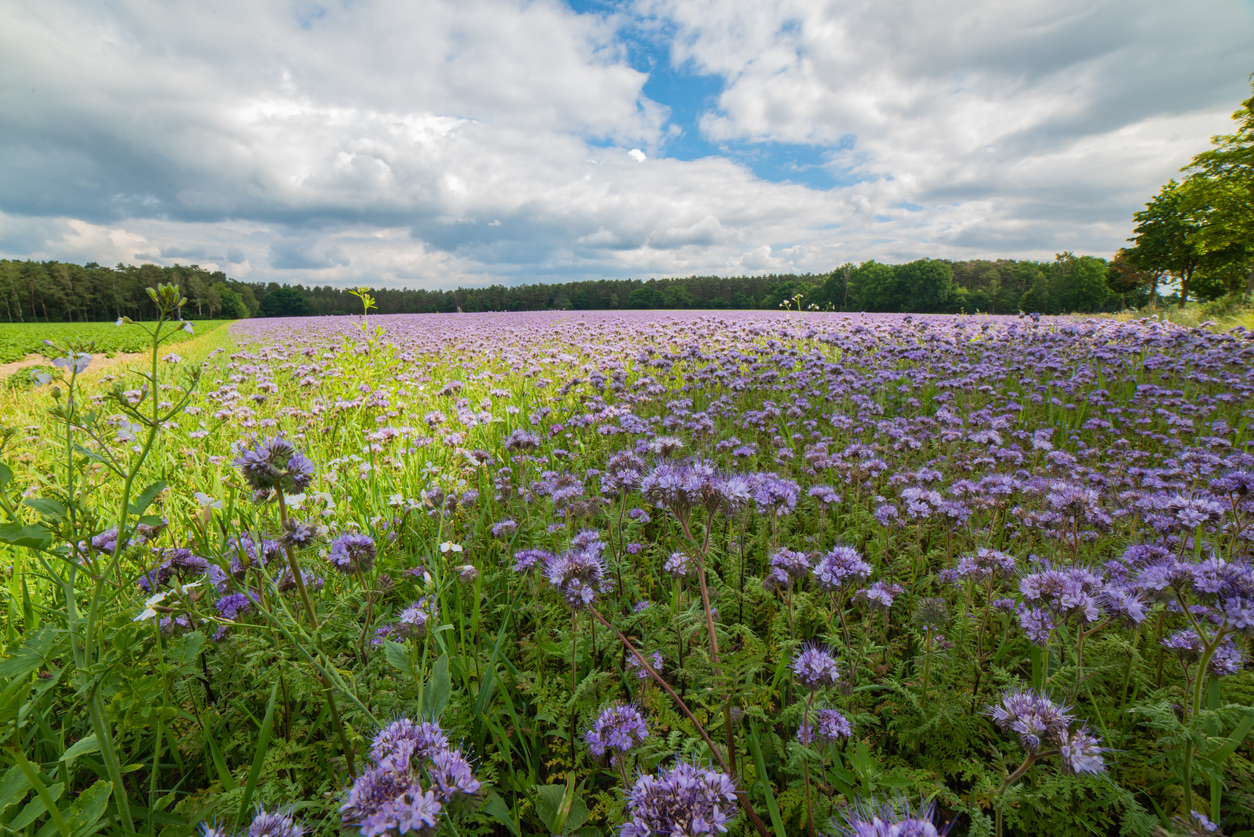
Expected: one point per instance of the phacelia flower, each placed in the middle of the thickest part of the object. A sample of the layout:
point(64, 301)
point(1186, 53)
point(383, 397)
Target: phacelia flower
point(684, 801)
point(618, 729)
point(352, 553)
point(275, 465)
point(815, 668)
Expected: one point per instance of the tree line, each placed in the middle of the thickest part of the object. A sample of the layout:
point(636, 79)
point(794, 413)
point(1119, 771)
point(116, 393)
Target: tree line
point(60, 292)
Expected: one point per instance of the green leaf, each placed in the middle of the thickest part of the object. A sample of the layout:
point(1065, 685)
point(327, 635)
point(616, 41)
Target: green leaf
point(82, 747)
point(496, 808)
point(34, 535)
point(259, 757)
point(13, 787)
point(6, 475)
point(398, 658)
point(439, 688)
point(760, 763)
point(84, 816)
point(560, 808)
point(28, 658)
point(35, 809)
point(145, 498)
point(1238, 735)
point(48, 508)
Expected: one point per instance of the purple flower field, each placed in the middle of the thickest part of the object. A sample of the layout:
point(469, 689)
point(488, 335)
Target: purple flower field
point(676, 573)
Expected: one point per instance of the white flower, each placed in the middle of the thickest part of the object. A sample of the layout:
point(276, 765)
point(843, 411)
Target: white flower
point(153, 601)
point(449, 545)
point(207, 502)
point(293, 501)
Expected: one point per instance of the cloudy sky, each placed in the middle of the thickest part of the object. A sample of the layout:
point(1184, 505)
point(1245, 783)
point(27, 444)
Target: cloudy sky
point(432, 143)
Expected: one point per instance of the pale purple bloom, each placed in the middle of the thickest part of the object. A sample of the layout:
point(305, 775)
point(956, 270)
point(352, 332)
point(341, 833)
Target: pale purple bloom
point(275, 465)
point(880, 594)
point(829, 726)
point(684, 801)
point(618, 729)
point(840, 566)
point(352, 553)
point(814, 668)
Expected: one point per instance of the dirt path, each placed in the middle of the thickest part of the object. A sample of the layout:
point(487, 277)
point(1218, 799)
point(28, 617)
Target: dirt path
point(97, 362)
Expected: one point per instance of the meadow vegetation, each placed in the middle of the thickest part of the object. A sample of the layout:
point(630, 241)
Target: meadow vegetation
point(637, 573)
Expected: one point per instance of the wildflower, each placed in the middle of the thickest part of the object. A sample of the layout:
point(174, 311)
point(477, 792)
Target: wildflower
point(275, 465)
point(838, 567)
point(654, 660)
point(467, 573)
point(679, 565)
point(618, 729)
point(528, 559)
point(1036, 718)
point(684, 801)
point(1081, 752)
point(301, 534)
point(814, 668)
point(579, 572)
point(892, 818)
point(352, 553)
point(830, 726)
point(416, 619)
point(787, 566)
point(931, 614)
point(879, 594)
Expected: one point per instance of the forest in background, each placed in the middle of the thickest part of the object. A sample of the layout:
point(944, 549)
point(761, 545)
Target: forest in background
point(59, 292)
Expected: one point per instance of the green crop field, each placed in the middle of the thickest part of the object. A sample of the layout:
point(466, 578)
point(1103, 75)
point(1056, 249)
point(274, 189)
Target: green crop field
point(17, 340)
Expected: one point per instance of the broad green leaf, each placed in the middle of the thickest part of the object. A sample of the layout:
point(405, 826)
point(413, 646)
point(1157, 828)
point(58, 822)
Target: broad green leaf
point(35, 808)
point(48, 508)
point(34, 535)
point(28, 658)
point(439, 688)
point(259, 757)
point(398, 658)
point(145, 498)
point(13, 787)
point(82, 747)
point(496, 808)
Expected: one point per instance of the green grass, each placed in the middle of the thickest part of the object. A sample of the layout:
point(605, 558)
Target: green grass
point(17, 340)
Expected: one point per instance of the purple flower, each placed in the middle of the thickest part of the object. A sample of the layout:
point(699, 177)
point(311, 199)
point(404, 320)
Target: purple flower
point(504, 528)
point(619, 728)
point(274, 465)
point(878, 594)
point(578, 574)
point(985, 564)
point(892, 818)
point(679, 565)
point(451, 777)
point(684, 801)
point(426, 737)
point(839, 567)
point(352, 553)
point(814, 668)
point(1037, 623)
point(234, 605)
point(526, 560)
point(416, 619)
point(830, 726)
point(1081, 752)
point(788, 566)
point(274, 825)
point(654, 660)
point(1033, 716)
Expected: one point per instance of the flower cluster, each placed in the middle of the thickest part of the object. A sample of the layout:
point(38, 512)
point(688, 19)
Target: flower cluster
point(352, 553)
point(264, 824)
point(1039, 722)
point(389, 798)
point(618, 729)
point(579, 573)
point(828, 727)
point(683, 801)
point(273, 464)
point(814, 668)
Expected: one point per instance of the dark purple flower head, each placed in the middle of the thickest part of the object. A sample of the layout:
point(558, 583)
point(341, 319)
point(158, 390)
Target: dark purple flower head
point(234, 605)
point(684, 801)
point(619, 728)
point(301, 534)
point(830, 726)
point(274, 465)
point(352, 553)
point(526, 560)
point(1037, 623)
point(815, 668)
point(579, 573)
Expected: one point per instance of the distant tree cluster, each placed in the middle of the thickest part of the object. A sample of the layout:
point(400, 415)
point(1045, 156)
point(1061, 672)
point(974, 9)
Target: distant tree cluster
point(60, 292)
point(1200, 231)
point(55, 291)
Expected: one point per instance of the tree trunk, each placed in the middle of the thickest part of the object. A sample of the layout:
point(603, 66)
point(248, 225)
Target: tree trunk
point(1184, 285)
point(1249, 284)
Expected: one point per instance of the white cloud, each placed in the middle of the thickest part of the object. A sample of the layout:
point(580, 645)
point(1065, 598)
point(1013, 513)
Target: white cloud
point(441, 142)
